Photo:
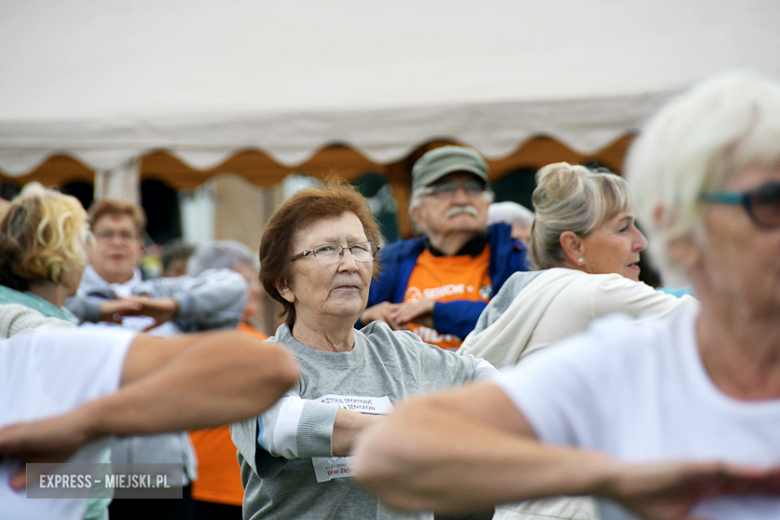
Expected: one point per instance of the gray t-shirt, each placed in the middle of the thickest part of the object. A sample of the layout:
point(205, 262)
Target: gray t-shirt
point(280, 450)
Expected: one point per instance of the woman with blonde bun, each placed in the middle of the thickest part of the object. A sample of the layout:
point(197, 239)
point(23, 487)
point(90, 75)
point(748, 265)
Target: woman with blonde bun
point(585, 247)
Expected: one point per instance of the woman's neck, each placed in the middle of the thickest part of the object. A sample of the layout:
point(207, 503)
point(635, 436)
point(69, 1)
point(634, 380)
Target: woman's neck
point(568, 264)
point(51, 292)
point(740, 347)
point(338, 335)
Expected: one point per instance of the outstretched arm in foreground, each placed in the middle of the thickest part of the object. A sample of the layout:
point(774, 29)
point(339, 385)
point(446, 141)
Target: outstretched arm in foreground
point(189, 381)
point(476, 434)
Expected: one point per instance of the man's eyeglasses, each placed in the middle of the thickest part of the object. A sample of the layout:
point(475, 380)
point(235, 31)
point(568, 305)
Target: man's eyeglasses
point(332, 253)
point(762, 204)
point(107, 235)
point(448, 189)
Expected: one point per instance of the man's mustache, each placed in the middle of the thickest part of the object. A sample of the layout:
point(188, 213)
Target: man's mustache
point(457, 210)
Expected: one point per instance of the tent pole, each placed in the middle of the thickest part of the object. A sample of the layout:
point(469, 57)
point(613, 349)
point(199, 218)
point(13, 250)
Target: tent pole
point(122, 182)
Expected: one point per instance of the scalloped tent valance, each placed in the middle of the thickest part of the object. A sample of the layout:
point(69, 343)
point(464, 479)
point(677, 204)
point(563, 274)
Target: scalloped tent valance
point(261, 170)
point(207, 84)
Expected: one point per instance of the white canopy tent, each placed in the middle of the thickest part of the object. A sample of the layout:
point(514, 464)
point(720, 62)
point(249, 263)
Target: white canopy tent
point(109, 81)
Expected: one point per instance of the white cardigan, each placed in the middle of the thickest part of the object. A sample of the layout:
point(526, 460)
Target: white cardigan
point(16, 318)
point(533, 310)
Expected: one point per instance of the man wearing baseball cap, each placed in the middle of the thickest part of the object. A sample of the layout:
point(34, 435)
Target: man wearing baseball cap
point(436, 285)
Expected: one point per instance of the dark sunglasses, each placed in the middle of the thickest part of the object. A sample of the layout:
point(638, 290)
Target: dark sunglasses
point(762, 204)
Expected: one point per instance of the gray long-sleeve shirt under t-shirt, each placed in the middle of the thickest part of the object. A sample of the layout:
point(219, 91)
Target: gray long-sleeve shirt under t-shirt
point(287, 466)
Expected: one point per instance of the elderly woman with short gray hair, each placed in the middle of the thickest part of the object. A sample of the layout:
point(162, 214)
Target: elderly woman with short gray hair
point(318, 257)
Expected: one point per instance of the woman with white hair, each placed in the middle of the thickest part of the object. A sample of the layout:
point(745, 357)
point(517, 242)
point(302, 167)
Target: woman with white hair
point(702, 383)
point(585, 247)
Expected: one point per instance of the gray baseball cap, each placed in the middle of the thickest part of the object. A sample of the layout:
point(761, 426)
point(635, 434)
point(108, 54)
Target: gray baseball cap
point(439, 162)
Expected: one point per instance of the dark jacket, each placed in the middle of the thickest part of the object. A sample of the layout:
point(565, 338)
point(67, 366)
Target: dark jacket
point(459, 317)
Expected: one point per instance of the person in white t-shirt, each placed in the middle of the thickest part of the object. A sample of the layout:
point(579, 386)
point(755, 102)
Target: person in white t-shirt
point(62, 391)
point(611, 411)
point(586, 246)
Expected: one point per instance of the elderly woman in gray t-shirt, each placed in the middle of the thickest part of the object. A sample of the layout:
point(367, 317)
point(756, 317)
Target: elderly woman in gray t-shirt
point(318, 256)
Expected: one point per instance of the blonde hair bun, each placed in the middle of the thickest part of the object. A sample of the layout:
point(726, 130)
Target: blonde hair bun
point(571, 198)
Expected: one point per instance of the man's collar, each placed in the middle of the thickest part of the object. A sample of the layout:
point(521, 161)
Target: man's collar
point(473, 247)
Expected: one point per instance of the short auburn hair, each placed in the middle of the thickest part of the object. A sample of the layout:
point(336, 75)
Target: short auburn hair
point(43, 234)
point(117, 208)
point(294, 215)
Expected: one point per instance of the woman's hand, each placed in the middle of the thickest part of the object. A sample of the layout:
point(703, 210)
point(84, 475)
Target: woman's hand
point(113, 311)
point(347, 427)
point(381, 312)
point(160, 310)
point(667, 491)
point(48, 440)
point(416, 311)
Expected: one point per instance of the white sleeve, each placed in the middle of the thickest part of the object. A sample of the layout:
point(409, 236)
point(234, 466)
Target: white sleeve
point(46, 372)
point(484, 370)
point(15, 319)
point(564, 390)
point(296, 427)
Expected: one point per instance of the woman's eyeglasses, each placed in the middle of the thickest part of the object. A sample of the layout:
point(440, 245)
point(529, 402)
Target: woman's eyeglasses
point(332, 253)
point(762, 204)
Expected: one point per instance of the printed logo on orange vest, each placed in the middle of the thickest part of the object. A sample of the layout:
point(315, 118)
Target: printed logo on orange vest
point(447, 279)
point(438, 293)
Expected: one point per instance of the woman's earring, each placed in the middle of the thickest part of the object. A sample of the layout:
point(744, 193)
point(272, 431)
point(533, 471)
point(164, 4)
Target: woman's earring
point(580, 260)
